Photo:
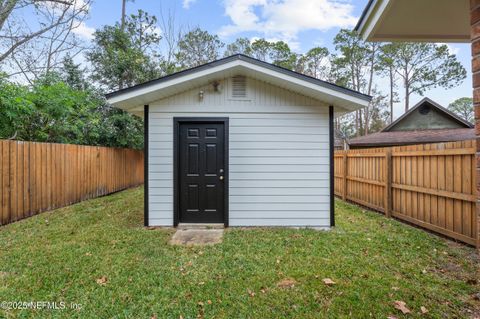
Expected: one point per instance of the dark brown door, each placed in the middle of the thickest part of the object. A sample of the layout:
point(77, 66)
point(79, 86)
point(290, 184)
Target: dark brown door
point(201, 172)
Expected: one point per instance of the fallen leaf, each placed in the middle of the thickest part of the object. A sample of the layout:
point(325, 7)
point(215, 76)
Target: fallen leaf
point(286, 283)
point(251, 293)
point(395, 288)
point(154, 317)
point(423, 309)
point(402, 306)
point(102, 281)
point(200, 304)
point(209, 302)
point(392, 317)
point(88, 254)
point(328, 281)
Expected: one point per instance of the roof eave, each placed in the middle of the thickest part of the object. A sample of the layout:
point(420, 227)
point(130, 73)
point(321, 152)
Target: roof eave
point(370, 18)
point(352, 99)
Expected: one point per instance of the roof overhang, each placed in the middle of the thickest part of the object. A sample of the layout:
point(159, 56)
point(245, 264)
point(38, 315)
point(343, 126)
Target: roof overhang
point(132, 99)
point(416, 20)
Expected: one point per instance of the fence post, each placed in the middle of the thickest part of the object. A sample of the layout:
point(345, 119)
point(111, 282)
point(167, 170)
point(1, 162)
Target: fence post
point(344, 188)
point(388, 182)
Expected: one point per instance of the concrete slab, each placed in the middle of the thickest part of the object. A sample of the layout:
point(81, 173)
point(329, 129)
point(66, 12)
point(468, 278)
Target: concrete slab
point(197, 237)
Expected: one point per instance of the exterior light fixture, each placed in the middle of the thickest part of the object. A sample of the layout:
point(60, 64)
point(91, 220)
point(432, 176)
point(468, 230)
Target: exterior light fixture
point(200, 95)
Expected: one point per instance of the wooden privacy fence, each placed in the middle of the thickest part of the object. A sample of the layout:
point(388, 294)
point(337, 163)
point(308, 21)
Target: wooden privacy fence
point(430, 185)
point(36, 177)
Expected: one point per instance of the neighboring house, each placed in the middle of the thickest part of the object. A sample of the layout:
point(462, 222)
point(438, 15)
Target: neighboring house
point(240, 142)
point(426, 122)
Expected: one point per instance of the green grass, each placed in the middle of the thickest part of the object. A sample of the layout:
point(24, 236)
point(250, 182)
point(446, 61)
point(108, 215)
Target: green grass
point(58, 256)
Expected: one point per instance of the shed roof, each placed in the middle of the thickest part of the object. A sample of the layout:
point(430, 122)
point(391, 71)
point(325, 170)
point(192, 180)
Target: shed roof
point(133, 98)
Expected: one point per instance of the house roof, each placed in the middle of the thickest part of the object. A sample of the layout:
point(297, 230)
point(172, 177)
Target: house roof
point(437, 106)
point(388, 137)
point(384, 20)
point(133, 98)
point(412, 137)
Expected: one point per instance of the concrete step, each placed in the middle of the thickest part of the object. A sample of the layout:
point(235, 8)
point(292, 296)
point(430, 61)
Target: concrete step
point(200, 226)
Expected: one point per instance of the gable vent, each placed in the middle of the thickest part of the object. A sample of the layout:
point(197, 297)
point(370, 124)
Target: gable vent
point(239, 87)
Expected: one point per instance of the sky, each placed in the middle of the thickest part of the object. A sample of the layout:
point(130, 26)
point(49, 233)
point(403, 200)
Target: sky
point(303, 24)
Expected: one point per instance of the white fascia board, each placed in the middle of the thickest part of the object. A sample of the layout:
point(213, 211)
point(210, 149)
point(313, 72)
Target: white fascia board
point(373, 18)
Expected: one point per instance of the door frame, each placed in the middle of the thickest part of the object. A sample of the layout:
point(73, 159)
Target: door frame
point(177, 121)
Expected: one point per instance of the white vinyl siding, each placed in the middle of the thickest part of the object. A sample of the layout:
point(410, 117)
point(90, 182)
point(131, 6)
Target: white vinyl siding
point(279, 155)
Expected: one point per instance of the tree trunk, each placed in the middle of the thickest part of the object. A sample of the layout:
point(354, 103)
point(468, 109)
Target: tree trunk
point(356, 123)
point(360, 122)
point(407, 97)
point(124, 4)
point(391, 94)
point(407, 88)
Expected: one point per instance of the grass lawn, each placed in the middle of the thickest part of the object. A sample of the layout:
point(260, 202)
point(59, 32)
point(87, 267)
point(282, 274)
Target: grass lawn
point(98, 255)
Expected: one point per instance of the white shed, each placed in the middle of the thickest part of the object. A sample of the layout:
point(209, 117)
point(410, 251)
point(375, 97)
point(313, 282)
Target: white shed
point(240, 142)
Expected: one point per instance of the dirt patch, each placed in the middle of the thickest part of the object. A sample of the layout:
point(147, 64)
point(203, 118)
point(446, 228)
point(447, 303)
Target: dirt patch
point(197, 237)
point(286, 283)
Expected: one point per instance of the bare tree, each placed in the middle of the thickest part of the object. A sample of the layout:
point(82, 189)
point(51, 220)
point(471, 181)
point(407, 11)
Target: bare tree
point(54, 36)
point(171, 34)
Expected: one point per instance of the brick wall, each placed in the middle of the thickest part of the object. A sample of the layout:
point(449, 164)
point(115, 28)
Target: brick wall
point(475, 38)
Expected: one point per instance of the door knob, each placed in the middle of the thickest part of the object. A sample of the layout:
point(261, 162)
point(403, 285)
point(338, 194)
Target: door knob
point(221, 178)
